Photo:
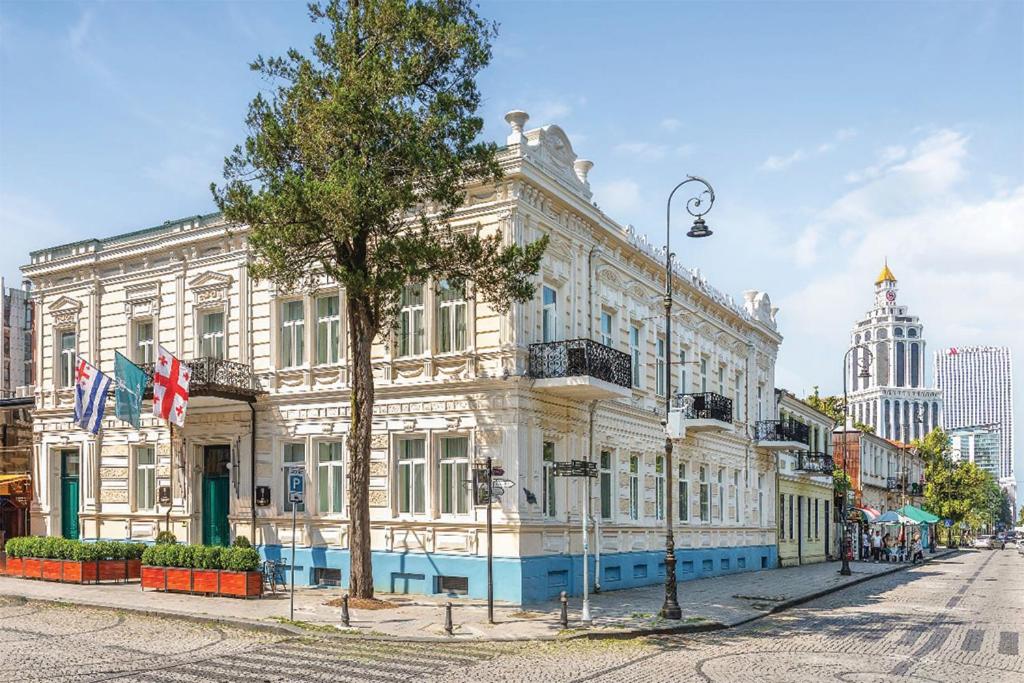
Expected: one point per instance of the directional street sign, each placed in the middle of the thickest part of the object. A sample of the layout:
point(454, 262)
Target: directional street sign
point(575, 468)
point(296, 485)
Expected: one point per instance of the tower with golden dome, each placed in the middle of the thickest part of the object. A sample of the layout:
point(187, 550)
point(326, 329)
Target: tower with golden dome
point(894, 397)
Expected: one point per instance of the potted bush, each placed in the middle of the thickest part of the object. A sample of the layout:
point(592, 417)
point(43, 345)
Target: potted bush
point(72, 561)
point(206, 565)
point(209, 570)
point(241, 576)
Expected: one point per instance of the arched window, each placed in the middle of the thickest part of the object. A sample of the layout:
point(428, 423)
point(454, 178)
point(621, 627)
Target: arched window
point(867, 336)
point(896, 432)
point(886, 432)
point(898, 332)
point(901, 364)
point(935, 414)
point(912, 332)
point(882, 334)
point(915, 364)
point(881, 364)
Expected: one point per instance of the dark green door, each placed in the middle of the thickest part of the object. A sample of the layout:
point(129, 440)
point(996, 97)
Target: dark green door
point(216, 488)
point(69, 466)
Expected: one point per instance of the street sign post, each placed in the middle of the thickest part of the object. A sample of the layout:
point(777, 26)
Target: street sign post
point(296, 496)
point(588, 470)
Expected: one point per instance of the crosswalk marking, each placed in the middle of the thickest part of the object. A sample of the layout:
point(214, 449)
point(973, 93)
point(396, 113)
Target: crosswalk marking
point(1008, 643)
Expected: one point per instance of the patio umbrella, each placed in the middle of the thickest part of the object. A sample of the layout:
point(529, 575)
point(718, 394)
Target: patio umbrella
point(894, 517)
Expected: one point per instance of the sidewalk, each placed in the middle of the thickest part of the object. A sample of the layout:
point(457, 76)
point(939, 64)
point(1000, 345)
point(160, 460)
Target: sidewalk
point(707, 604)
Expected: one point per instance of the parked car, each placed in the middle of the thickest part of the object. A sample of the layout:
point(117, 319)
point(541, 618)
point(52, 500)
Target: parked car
point(982, 542)
point(996, 543)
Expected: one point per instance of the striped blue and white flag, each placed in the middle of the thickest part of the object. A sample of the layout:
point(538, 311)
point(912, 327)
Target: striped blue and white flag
point(91, 387)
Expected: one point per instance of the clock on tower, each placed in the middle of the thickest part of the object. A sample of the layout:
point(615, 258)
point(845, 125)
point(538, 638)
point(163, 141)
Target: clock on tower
point(890, 296)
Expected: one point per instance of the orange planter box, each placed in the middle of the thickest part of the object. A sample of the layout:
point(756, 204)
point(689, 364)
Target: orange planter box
point(74, 572)
point(31, 567)
point(53, 570)
point(134, 569)
point(14, 566)
point(241, 584)
point(154, 577)
point(205, 581)
point(179, 580)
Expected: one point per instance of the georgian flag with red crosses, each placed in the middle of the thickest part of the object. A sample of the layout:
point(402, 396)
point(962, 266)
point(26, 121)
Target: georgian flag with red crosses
point(170, 388)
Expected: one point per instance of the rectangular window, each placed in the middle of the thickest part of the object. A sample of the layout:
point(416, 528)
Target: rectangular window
point(659, 487)
point(454, 466)
point(143, 352)
point(684, 494)
point(703, 375)
point(721, 494)
point(145, 478)
point(683, 388)
point(705, 495)
point(736, 495)
point(659, 367)
point(67, 359)
point(634, 487)
point(412, 476)
point(809, 518)
point(328, 330)
point(550, 502)
point(293, 325)
point(549, 322)
point(782, 515)
point(410, 322)
point(791, 517)
point(330, 477)
point(635, 353)
point(760, 500)
point(816, 518)
point(451, 318)
point(721, 381)
point(606, 485)
point(760, 391)
point(294, 455)
point(211, 339)
point(606, 329)
point(737, 404)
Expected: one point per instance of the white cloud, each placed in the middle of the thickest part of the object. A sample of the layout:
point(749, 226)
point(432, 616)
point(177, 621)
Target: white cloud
point(618, 196)
point(549, 111)
point(685, 150)
point(670, 124)
point(648, 150)
point(78, 33)
point(781, 162)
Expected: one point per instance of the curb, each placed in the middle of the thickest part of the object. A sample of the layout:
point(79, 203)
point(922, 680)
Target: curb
point(295, 631)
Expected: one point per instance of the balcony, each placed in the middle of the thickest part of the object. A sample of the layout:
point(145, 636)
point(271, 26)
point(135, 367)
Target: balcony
point(580, 369)
point(704, 412)
point(815, 462)
point(896, 484)
point(217, 378)
point(782, 435)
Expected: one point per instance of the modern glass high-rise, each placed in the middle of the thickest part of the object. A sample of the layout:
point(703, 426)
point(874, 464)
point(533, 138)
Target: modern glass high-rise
point(977, 390)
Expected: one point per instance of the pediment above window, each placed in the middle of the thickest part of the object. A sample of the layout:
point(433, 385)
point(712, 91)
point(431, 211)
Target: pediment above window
point(65, 311)
point(142, 299)
point(210, 288)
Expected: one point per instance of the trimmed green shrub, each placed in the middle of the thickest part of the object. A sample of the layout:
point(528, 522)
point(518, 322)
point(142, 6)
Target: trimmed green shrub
point(241, 542)
point(202, 557)
point(166, 537)
point(241, 559)
point(55, 548)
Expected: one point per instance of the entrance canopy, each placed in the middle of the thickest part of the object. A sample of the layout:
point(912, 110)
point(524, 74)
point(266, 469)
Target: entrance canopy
point(869, 514)
point(17, 486)
point(919, 515)
point(895, 517)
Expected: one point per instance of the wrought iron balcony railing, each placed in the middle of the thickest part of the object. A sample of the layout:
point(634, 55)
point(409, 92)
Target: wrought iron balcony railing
point(216, 377)
point(815, 461)
point(580, 357)
point(783, 430)
point(704, 406)
point(914, 488)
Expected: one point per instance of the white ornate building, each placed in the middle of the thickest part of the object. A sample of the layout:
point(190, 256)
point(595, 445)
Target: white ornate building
point(895, 398)
point(574, 374)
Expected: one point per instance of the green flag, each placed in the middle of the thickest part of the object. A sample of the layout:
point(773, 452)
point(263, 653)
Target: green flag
point(130, 383)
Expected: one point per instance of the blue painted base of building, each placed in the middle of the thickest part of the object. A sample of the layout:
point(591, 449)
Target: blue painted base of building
point(519, 580)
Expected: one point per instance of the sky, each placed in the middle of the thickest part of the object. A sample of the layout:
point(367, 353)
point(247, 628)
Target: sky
point(835, 134)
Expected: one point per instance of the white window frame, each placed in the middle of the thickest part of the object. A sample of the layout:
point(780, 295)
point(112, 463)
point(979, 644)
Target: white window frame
point(683, 484)
point(738, 400)
point(659, 365)
point(288, 452)
point(549, 314)
point(705, 495)
point(549, 493)
point(634, 487)
point(683, 388)
point(452, 473)
point(659, 487)
point(210, 342)
point(412, 323)
point(292, 342)
point(606, 474)
point(760, 501)
point(721, 495)
point(449, 309)
point(67, 357)
point(415, 467)
point(607, 331)
point(144, 475)
point(143, 351)
point(737, 497)
point(703, 375)
point(328, 344)
point(333, 470)
point(636, 354)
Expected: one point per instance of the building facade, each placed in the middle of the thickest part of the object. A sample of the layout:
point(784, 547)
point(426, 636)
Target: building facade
point(894, 398)
point(16, 349)
point(576, 374)
point(977, 391)
point(807, 532)
point(981, 445)
point(877, 468)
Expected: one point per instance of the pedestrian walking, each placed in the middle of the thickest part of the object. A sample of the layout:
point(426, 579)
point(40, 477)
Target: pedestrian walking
point(876, 547)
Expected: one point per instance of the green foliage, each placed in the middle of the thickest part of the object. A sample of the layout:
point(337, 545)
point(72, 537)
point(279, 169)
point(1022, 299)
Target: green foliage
point(840, 482)
point(201, 557)
point(166, 537)
point(960, 491)
point(833, 407)
point(240, 559)
point(55, 548)
point(241, 542)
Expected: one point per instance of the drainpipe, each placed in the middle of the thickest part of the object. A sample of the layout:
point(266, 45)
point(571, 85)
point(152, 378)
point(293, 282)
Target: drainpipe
point(595, 518)
point(252, 467)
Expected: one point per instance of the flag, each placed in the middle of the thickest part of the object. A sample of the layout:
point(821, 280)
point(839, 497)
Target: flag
point(170, 388)
point(91, 387)
point(129, 385)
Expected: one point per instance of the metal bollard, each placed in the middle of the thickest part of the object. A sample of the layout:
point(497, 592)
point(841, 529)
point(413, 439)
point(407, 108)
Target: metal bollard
point(344, 610)
point(448, 628)
point(564, 618)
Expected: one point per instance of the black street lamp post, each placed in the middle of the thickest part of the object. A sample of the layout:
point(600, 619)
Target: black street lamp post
point(865, 371)
point(670, 609)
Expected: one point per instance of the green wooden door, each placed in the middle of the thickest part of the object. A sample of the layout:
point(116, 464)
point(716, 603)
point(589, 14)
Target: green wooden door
point(216, 492)
point(69, 467)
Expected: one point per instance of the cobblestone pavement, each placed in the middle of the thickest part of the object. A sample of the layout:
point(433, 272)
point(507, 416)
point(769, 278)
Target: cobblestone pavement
point(957, 619)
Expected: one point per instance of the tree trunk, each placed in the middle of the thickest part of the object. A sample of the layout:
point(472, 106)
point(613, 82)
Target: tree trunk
point(361, 334)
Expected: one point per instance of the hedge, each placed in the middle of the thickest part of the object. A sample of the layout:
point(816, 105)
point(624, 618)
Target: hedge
point(54, 548)
point(201, 557)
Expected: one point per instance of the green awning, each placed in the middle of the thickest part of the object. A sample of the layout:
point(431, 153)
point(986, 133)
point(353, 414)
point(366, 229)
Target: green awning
point(918, 514)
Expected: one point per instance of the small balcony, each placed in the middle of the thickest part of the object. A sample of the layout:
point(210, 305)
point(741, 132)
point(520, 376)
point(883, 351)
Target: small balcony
point(782, 435)
point(580, 369)
point(217, 378)
point(814, 462)
point(914, 488)
point(704, 412)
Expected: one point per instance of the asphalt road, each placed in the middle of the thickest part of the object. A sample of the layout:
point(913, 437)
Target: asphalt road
point(959, 620)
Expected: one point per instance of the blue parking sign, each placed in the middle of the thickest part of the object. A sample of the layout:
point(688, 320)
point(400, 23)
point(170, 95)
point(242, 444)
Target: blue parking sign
point(296, 484)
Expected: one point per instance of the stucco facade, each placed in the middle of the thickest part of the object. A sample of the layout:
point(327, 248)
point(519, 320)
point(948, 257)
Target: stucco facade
point(457, 382)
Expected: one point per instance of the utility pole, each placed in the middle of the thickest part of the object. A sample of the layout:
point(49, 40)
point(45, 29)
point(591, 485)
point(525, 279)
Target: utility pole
point(585, 518)
point(490, 542)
